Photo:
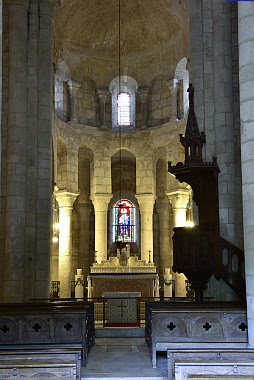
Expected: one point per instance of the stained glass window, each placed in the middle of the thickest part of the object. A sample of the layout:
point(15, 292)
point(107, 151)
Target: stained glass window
point(124, 221)
point(123, 109)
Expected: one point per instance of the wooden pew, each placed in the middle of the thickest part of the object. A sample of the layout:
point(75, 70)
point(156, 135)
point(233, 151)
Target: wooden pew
point(55, 324)
point(195, 325)
point(32, 355)
point(38, 370)
point(212, 355)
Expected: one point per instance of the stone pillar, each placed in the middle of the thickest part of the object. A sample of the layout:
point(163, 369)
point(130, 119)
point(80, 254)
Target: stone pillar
point(1, 71)
point(146, 205)
point(143, 92)
point(16, 152)
point(173, 87)
point(84, 210)
point(44, 153)
point(166, 258)
point(100, 202)
point(73, 86)
point(223, 115)
point(179, 200)
point(65, 200)
point(102, 95)
point(32, 149)
point(246, 79)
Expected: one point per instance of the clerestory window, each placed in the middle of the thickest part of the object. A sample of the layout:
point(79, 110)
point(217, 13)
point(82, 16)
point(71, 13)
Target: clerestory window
point(123, 92)
point(123, 109)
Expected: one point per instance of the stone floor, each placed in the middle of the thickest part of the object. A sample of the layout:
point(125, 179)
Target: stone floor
point(118, 358)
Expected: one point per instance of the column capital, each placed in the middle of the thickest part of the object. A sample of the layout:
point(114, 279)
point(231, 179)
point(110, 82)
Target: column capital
point(146, 202)
point(143, 92)
point(66, 199)
point(101, 201)
point(102, 94)
point(178, 198)
point(18, 3)
point(74, 85)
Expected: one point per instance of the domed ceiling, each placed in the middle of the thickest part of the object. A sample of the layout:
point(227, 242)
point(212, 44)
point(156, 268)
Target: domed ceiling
point(154, 37)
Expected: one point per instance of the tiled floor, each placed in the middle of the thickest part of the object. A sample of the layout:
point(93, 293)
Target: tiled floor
point(117, 358)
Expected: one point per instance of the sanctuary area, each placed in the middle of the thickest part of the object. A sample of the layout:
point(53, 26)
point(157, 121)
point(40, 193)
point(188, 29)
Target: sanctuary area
point(126, 172)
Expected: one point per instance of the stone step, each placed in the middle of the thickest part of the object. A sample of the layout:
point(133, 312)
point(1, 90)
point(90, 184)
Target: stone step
point(119, 332)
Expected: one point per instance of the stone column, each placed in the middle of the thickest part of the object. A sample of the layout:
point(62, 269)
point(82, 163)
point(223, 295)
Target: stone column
point(44, 153)
point(16, 152)
point(246, 79)
point(84, 210)
point(102, 95)
point(166, 258)
point(1, 71)
point(146, 205)
point(100, 202)
point(143, 92)
point(73, 86)
point(223, 115)
point(65, 200)
point(179, 200)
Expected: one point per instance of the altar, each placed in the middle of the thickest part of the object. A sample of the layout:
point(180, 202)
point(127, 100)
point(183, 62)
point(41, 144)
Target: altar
point(122, 307)
point(123, 273)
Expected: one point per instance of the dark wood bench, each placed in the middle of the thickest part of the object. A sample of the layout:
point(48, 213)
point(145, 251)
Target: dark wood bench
point(43, 353)
point(55, 324)
point(211, 354)
point(195, 325)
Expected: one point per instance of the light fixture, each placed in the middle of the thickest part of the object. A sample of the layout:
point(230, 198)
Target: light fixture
point(56, 229)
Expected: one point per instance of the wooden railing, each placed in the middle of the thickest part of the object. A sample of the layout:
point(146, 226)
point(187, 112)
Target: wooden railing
point(230, 266)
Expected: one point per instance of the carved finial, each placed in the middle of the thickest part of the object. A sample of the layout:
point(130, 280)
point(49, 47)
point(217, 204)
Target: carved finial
point(191, 95)
point(193, 139)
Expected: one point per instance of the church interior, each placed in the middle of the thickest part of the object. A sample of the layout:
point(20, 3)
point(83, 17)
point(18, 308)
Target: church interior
point(126, 171)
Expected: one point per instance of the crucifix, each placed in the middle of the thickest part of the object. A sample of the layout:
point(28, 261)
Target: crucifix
point(122, 306)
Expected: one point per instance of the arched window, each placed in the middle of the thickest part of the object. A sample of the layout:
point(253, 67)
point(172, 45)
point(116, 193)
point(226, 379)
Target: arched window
point(123, 109)
point(123, 92)
point(124, 226)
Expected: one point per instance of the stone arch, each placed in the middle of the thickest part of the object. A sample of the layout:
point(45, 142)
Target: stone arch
point(123, 171)
point(130, 196)
point(182, 84)
point(161, 177)
point(62, 96)
point(118, 85)
point(85, 160)
point(61, 164)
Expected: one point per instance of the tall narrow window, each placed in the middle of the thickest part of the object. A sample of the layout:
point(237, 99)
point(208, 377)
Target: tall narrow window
point(123, 109)
point(123, 102)
point(124, 221)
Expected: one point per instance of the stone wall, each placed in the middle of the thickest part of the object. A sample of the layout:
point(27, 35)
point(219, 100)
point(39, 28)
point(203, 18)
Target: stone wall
point(159, 105)
point(87, 108)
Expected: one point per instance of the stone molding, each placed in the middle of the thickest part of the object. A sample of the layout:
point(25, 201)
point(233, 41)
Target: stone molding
point(101, 201)
point(146, 202)
point(18, 3)
point(178, 198)
point(66, 199)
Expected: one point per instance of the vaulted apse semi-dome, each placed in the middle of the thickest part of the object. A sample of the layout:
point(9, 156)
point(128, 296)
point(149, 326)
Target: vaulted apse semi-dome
point(154, 34)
